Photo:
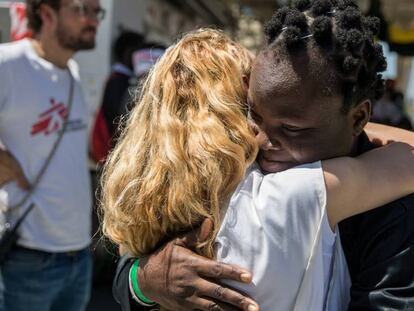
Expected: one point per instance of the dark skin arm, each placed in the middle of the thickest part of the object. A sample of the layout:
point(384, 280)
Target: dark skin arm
point(193, 283)
point(380, 134)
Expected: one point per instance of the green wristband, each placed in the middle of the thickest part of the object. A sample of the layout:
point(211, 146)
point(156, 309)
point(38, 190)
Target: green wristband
point(135, 285)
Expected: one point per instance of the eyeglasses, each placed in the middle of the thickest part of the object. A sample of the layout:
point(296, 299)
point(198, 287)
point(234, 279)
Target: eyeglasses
point(83, 10)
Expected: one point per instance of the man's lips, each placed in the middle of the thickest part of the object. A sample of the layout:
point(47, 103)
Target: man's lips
point(273, 165)
point(273, 158)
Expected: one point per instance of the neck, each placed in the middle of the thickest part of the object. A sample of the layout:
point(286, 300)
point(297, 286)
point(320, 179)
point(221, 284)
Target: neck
point(49, 49)
point(354, 149)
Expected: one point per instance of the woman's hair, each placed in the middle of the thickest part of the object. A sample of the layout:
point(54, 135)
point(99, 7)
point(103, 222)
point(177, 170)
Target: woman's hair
point(341, 35)
point(185, 148)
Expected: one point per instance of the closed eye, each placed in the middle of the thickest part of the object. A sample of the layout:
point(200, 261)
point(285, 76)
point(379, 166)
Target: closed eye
point(291, 128)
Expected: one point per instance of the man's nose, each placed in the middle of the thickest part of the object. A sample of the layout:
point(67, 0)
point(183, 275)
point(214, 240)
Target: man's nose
point(92, 21)
point(265, 143)
point(269, 146)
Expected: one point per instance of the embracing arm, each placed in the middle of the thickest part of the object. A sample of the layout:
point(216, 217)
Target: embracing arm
point(383, 134)
point(356, 185)
point(176, 277)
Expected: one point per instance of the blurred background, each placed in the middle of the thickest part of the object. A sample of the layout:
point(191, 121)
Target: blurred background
point(160, 22)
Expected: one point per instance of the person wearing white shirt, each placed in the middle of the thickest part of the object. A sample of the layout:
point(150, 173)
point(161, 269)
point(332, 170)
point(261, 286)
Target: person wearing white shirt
point(186, 155)
point(40, 99)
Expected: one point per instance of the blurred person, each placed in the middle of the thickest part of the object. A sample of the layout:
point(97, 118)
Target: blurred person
point(389, 109)
point(313, 102)
point(50, 267)
point(184, 155)
point(115, 94)
point(404, 121)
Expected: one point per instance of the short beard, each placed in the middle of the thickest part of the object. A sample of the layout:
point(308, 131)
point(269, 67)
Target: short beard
point(70, 42)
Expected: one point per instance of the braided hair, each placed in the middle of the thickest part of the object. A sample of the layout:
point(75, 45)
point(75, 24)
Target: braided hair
point(343, 37)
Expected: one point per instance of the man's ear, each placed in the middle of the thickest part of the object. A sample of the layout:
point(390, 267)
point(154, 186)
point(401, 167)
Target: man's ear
point(48, 16)
point(360, 115)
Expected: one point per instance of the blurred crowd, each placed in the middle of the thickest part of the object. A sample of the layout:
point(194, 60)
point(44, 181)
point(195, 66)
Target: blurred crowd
point(390, 109)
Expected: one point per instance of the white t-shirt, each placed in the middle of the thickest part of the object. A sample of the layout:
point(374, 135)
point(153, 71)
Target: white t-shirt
point(274, 227)
point(33, 101)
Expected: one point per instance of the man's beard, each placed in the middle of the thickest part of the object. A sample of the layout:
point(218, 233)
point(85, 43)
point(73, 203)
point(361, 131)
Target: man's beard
point(70, 42)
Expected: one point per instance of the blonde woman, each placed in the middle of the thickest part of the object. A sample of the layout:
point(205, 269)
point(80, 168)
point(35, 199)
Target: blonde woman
point(187, 154)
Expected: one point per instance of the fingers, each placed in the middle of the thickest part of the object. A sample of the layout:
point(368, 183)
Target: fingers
point(205, 230)
point(227, 296)
point(190, 239)
point(213, 269)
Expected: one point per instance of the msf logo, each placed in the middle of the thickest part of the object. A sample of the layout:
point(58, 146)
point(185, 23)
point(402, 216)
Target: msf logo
point(51, 120)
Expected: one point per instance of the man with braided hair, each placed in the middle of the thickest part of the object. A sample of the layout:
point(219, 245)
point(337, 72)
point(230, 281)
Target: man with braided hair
point(310, 91)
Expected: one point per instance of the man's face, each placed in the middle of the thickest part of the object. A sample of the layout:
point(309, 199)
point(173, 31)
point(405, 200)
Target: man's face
point(303, 124)
point(77, 24)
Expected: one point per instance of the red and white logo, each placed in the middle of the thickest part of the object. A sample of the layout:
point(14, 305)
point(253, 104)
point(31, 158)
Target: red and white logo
point(19, 29)
point(51, 120)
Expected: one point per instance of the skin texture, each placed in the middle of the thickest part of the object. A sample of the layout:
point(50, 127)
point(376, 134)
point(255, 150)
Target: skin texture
point(302, 123)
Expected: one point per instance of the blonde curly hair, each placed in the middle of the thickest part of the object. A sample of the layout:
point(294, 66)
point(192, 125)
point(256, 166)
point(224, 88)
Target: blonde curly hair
point(185, 148)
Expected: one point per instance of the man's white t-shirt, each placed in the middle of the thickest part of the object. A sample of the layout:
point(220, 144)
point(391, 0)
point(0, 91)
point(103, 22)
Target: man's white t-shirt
point(276, 226)
point(33, 103)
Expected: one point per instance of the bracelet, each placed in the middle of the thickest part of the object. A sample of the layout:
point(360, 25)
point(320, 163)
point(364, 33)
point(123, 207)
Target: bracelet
point(137, 295)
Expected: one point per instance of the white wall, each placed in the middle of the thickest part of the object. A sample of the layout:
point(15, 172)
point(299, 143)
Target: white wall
point(95, 65)
point(129, 15)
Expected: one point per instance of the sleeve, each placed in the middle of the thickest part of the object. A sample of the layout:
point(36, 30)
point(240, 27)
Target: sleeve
point(120, 286)
point(382, 258)
point(292, 203)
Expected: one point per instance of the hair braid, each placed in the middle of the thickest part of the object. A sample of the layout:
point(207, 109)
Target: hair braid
point(343, 36)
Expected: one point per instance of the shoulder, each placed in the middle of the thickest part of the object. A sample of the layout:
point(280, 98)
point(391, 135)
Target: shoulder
point(298, 186)
point(302, 182)
point(292, 196)
point(13, 50)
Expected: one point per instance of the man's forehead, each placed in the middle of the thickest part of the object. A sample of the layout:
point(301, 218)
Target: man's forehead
point(275, 74)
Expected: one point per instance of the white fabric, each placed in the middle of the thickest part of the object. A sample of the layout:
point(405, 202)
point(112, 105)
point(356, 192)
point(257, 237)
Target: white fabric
point(33, 91)
point(328, 242)
point(273, 227)
point(338, 295)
